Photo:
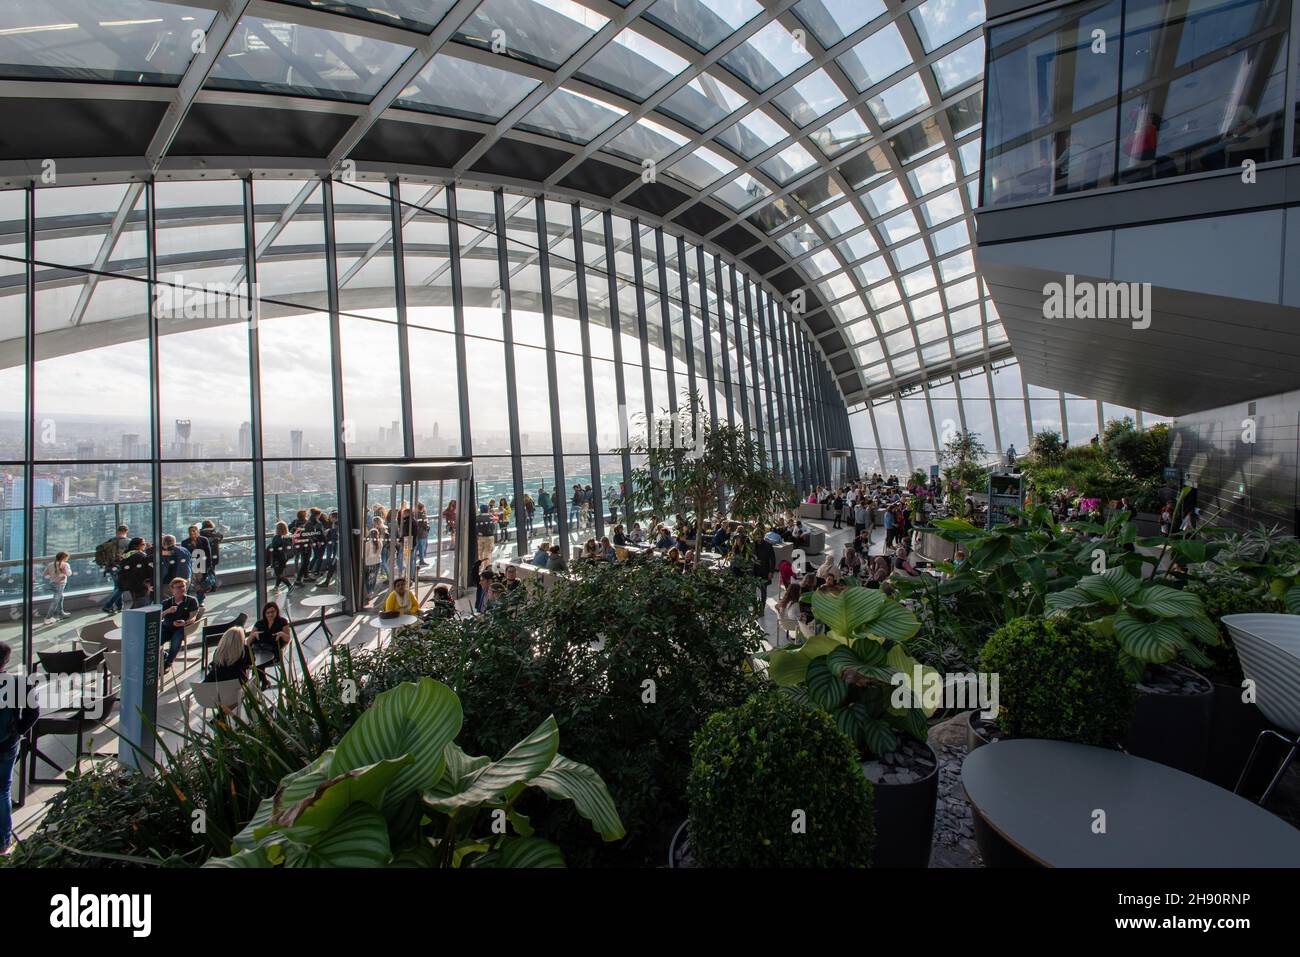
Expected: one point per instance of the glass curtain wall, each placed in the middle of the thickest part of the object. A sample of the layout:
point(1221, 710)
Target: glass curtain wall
point(896, 435)
point(177, 353)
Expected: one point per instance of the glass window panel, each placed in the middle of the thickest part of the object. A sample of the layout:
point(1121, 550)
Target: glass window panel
point(810, 99)
point(938, 21)
point(842, 133)
point(703, 25)
point(543, 33)
point(420, 15)
point(701, 166)
point(571, 116)
point(435, 404)
point(644, 140)
point(1051, 122)
point(290, 233)
point(425, 238)
point(702, 103)
point(934, 174)
point(363, 227)
point(74, 402)
point(272, 56)
point(753, 134)
point(876, 58)
point(741, 192)
point(769, 55)
point(1203, 86)
point(454, 87)
point(960, 67)
point(1081, 417)
point(899, 101)
point(788, 163)
point(632, 65)
point(129, 41)
point(294, 352)
point(832, 20)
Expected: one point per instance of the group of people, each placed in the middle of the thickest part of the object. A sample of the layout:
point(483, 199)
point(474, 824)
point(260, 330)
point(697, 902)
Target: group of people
point(498, 515)
point(128, 562)
point(397, 542)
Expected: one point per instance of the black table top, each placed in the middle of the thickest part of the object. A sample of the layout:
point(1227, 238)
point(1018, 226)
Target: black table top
point(1041, 796)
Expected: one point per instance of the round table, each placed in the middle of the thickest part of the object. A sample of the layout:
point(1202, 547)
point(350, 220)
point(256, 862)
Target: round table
point(114, 634)
point(322, 602)
point(1039, 799)
point(388, 624)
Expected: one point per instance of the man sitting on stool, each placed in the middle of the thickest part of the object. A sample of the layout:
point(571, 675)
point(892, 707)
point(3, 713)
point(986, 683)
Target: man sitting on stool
point(179, 611)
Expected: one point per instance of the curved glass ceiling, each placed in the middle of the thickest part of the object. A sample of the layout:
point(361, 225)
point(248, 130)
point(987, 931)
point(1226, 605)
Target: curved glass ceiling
point(832, 145)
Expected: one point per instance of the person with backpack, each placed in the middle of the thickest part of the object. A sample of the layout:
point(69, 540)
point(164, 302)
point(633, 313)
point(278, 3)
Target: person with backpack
point(175, 559)
point(57, 574)
point(215, 538)
point(18, 712)
point(108, 556)
point(135, 575)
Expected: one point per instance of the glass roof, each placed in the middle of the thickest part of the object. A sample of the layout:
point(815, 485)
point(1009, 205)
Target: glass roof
point(844, 167)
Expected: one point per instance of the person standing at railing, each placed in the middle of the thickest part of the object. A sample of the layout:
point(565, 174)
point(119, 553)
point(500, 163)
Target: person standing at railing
point(108, 556)
point(421, 535)
point(214, 537)
point(56, 574)
point(277, 553)
point(135, 574)
point(547, 505)
point(200, 550)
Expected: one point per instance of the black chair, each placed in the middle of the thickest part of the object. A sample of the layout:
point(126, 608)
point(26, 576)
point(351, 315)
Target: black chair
point(92, 711)
point(212, 634)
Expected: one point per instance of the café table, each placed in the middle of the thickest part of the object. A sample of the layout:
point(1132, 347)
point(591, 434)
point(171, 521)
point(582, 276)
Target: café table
point(1039, 802)
point(382, 624)
point(323, 602)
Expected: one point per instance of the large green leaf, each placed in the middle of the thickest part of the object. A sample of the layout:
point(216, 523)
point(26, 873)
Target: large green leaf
point(787, 668)
point(844, 657)
point(852, 720)
point(828, 690)
point(459, 768)
point(1150, 641)
point(335, 795)
point(901, 663)
point(523, 852)
point(359, 838)
point(1166, 602)
point(293, 787)
point(256, 857)
point(894, 622)
point(570, 781)
point(870, 651)
point(1199, 627)
point(527, 759)
point(911, 720)
point(1293, 599)
point(416, 718)
point(879, 736)
point(1110, 587)
point(848, 610)
point(1068, 598)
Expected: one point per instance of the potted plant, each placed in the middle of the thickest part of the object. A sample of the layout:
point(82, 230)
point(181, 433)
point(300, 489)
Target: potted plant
point(1057, 679)
point(774, 784)
point(859, 673)
point(1154, 625)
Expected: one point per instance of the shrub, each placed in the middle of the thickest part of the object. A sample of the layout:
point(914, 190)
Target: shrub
point(104, 815)
point(1046, 446)
point(1059, 679)
point(1220, 600)
point(754, 766)
point(630, 658)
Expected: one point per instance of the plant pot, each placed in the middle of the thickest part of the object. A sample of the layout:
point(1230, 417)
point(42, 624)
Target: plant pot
point(905, 820)
point(976, 737)
point(1173, 728)
point(677, 848)
point(1234, 726)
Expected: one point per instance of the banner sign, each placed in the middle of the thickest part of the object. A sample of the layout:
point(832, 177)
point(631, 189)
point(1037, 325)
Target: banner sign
point(141, 630)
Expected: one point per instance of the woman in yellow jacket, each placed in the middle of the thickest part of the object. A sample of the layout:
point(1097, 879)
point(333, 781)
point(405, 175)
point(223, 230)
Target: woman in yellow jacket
point(402, 600)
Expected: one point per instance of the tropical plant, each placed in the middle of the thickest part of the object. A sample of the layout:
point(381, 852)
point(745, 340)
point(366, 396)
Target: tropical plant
point(1046, 446)
point(854, 669)
point(398, 791)
point(1059, 679)
point(1142, 452)
point(773, 784)
point(630, 658)
point(109, 816)
point(1221, 599)
point(725, 463)
point(1152, 623)
point(1263, 561)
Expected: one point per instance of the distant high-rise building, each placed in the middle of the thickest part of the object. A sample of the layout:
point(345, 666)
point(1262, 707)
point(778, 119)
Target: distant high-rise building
point(245, 440)
point(131, 447)
point(85, 452)
point(109, 486)
point(295, 443)
point(181, 447)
